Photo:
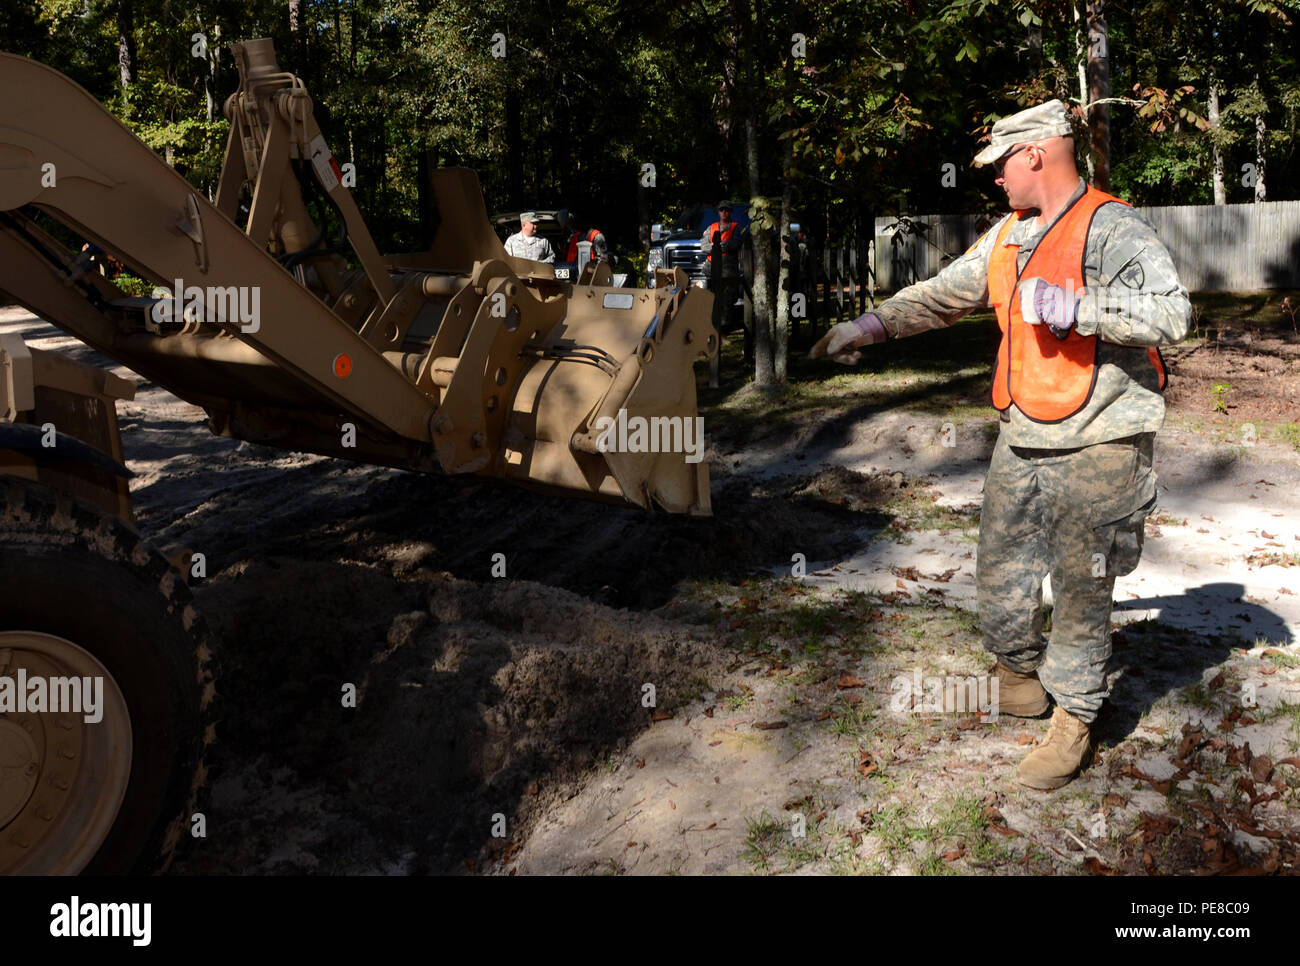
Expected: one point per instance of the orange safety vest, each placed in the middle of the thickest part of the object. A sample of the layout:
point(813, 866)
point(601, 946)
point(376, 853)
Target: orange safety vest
point(724, 237)
point(573, 244)
point(1049, 379)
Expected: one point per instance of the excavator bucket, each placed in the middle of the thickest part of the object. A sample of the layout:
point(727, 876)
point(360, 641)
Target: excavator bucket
point(275, 312)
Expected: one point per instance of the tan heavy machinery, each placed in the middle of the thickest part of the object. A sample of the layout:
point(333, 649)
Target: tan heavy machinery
point(459, 358)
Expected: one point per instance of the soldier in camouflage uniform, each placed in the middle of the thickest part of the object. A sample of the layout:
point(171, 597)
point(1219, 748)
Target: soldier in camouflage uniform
point(526, 243)
point(1078, 383)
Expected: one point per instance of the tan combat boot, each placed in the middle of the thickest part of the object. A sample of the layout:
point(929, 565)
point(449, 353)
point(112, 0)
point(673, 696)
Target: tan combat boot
point(1064, 754)
point(1019, 695)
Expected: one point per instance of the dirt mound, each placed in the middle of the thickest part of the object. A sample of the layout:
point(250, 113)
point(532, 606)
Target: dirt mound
point(489, 700)
point(477, 697)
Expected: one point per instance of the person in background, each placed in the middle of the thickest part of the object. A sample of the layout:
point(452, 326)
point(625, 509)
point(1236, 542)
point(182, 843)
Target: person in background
point(526, 243)
point(722, 242)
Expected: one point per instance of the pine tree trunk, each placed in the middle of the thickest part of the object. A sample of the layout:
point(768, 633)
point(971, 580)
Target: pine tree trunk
point(1081, 62)
point(784, 294)
point(1261, 192)
point(1098, 90)
point(514, 150)
point(295, 31)
point(1212, 111)
point(781, 363)
point(126, 63)
point(764, 369)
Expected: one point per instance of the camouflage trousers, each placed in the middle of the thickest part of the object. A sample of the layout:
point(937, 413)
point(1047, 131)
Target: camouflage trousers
point(1077, 515)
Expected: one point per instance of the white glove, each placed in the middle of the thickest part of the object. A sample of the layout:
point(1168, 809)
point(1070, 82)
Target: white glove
point(842, 340)
point(1042, 302)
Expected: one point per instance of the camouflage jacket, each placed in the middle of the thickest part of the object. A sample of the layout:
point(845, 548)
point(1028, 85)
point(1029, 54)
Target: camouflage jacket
point(536, 248)
point(1132, 299)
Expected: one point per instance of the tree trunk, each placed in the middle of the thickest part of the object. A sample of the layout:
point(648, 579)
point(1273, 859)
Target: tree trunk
point(297, 56)
point(764, 367)
point(126, 63)
point(514, 151)
point(1261, 193)
point(1212, 110)
point(642, 212)
point(1081, 62)
point(1098, 90)
point(784, 295)
point(561, 122)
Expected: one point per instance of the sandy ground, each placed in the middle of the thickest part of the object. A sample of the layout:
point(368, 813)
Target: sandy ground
point(656, 695)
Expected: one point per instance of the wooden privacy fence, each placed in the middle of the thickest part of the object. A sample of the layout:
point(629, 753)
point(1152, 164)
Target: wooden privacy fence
point(840, 278)
point(1216, 248)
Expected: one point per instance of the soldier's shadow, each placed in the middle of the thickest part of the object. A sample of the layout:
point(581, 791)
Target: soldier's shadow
point(1156, 657)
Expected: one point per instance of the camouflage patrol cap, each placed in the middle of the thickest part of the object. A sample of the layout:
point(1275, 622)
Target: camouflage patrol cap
point(528, 216)
point(1038, 123)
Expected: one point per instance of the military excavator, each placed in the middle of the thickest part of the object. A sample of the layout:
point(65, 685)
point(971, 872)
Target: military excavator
point(290, 329)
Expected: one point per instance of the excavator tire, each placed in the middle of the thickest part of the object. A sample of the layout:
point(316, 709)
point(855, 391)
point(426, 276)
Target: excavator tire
point(81, 595)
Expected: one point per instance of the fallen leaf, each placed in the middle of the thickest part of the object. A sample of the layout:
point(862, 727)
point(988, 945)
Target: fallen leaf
point(955, 854)
point(641, 763)
point(849, 680)
point(713, 744)
point(1093, 866)
point(771, 725)
point(1260, 768)
point(1025, 738)
point(661, 716)
point(823, 716)
point(1118, 801)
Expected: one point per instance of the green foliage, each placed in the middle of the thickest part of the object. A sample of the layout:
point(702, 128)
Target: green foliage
point(1219, 393)
point(885, 94)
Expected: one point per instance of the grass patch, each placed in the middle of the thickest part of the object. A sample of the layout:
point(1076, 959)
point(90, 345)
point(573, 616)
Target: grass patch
point(784, 617)
point(1282, 659)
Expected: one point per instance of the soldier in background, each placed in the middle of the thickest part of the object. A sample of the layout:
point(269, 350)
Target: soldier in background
point(526, 243)
point(578, 230)
point(1084, 293)
point(722, 242)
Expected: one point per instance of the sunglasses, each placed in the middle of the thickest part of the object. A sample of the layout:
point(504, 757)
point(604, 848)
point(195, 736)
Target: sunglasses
point(1000, 165)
